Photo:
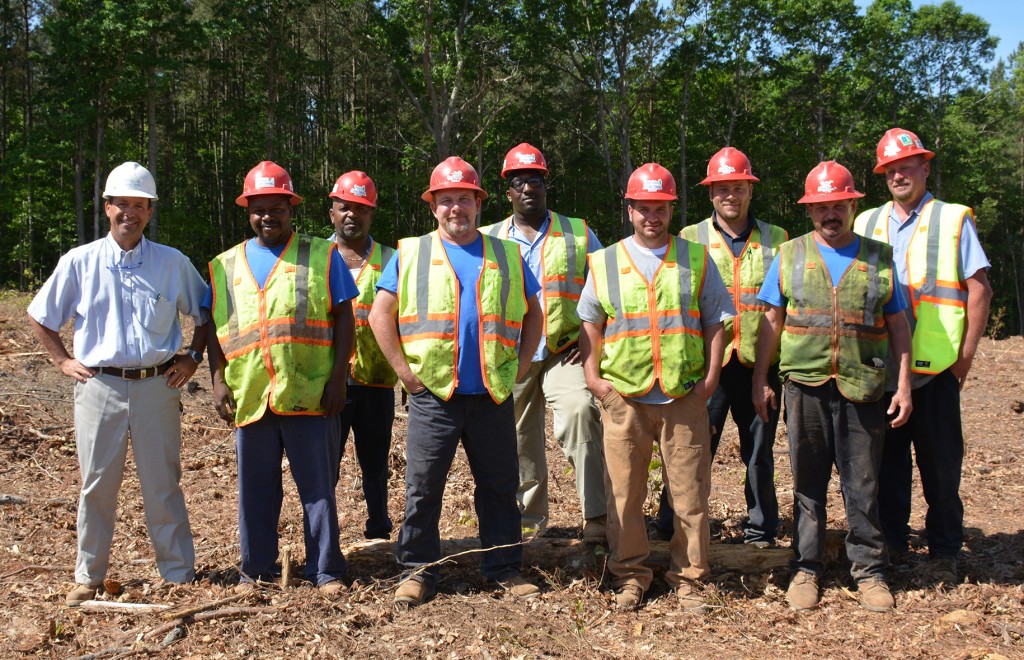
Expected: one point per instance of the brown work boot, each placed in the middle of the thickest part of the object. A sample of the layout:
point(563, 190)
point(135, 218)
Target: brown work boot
point(519, 586)
point(875, 595)
point(629, 596)
point(690, 595)
point(595, 530)
point(332, 590)
point(79, 595)
point(412, 592)
point(803, 591)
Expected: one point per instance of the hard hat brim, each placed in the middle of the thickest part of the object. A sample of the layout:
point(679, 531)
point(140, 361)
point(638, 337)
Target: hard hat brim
point(652, 197)
point(829, 197)
point(880, 167)
point(735, 176)
point(110, 194)
point(243, 199)
point(352, 198)
point(521, 168)
point(428, 196)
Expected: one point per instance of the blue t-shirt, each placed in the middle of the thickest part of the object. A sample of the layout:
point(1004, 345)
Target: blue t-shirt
point(341, 286)
point(836, 262)
point(467, 262)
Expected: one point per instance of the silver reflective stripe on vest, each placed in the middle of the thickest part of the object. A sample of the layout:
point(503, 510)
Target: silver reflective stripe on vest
point(766, 250)
point(500, 327)
point(871, 299)
point(229, 290)
point(570, 256)
point(620, 323)
point(685, 292)
point(703, 236)
point(423, 324)
point(798, 299)
point(873, 219)
point(931, 287)
point(301, 282)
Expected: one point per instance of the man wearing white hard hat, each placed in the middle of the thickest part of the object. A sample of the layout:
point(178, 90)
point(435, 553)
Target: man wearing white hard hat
point(124, 294)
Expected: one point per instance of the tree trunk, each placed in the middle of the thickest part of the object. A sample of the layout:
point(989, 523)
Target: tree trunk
point(151, 140)
point(97, 202)
point(79, 193)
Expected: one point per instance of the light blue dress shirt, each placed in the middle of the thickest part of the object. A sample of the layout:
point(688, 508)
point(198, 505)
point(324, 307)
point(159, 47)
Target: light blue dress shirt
point(125, 304)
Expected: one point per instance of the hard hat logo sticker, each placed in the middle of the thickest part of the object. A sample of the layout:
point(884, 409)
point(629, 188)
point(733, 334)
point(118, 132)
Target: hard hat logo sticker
point(905, 140)
point(358, 191)
point(725, 168)
point(652, 185)
point(891, 150)
point(527, 159)
point(264, 182)
point(455, 176)
point(825, 187)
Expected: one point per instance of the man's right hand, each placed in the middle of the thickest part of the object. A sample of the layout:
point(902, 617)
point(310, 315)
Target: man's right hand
point(412, 384)
point(764, 397)
point(600, 388)
point(224, 402)
point(72, 368)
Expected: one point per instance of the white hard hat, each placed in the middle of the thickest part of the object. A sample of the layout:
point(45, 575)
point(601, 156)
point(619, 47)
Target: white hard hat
point(130, 180)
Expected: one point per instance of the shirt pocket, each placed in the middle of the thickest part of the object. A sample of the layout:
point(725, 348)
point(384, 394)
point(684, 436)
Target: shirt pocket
point(156, 313)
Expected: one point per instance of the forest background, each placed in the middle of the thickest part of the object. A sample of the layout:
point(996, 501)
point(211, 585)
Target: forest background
point(202, 90)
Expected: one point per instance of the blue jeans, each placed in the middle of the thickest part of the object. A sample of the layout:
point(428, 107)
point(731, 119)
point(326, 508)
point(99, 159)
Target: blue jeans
point(934, 430)
point(260, 447)
point(757, 443)
point(369, 413)
point(826, 428)
point(488, 434)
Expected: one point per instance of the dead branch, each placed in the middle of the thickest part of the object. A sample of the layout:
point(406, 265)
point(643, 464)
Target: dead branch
point(203, 616)
point(180, 614)
point(12, 499)
point(108, 605)
point(44, 470)
point(14, 355)
point(36, 568)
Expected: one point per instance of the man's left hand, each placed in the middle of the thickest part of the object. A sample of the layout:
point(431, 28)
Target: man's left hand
point(181, 371)
point(961, 367)
point(335, 391)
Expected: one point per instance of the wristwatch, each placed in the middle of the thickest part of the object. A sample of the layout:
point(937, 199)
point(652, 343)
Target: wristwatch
point(195, 355)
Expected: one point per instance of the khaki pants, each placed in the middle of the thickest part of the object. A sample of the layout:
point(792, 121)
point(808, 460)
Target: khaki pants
point(682, 432)
point(577, 426)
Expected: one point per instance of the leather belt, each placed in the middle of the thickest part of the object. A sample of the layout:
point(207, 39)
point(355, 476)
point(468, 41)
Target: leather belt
point(138, 374)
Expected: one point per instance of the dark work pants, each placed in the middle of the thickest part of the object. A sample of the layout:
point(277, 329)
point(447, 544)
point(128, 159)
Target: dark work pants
point(488, 434)
point(260, 447)
point(369, 413)
point(757, 442)
point(934, 430)
point(826, 428)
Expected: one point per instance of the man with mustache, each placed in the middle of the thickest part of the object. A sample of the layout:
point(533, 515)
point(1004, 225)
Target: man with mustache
point(281, 303)
point(652, 310)
point(451, 308)
point(554, 247)
point(944, 272)
point(124, 293)
point(370, 405)
point(834, 305)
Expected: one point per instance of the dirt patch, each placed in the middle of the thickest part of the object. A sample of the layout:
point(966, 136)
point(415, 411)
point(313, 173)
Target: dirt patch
point(39, 480)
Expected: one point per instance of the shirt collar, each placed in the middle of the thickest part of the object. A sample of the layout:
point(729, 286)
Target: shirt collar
point(913, 215)
point(125, 258)
point(743, 235)
point(514, 231)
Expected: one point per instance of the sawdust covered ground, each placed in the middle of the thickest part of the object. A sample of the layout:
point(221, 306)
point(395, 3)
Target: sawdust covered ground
point(39, 481)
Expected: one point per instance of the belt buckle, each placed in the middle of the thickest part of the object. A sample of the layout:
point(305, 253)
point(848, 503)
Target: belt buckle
point(132, 374)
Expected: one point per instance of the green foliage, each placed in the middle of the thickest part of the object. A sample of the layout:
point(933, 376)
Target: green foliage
point(393, 86)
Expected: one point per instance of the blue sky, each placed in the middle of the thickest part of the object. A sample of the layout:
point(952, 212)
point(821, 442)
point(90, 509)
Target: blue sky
point(1005, 19)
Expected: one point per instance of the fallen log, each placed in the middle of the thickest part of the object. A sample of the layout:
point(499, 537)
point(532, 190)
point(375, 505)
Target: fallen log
point(545, 551)
point(109, 605)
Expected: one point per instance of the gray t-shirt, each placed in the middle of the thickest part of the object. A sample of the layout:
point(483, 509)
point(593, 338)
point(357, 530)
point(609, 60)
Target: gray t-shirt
point(715, 303)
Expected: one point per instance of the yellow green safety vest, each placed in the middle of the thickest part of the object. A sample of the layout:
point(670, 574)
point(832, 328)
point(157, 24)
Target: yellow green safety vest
point(743, 275)
point(836, 332)
point(937, 309)
point(563, 274)
point(368, 364)
point(653, 332)
point(428, 311)
point(279, 340)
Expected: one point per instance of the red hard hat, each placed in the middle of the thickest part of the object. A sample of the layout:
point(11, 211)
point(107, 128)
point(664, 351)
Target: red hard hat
point(523, 156)
point(898, 143)
point(267, 178)
point(828, 182)
point(728, 164)
point(356, 187)
point(651, 182)
point(453, 172)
